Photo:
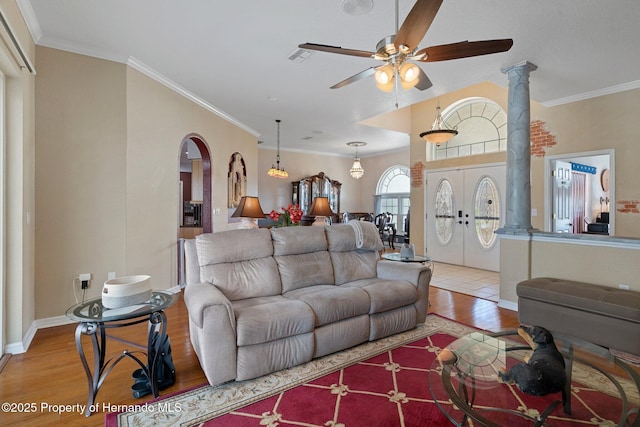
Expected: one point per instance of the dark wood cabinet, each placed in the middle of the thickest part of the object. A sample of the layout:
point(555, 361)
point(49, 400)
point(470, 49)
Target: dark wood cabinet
point(320, 185)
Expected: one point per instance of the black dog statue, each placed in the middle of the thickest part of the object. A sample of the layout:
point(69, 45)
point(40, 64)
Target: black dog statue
point(543, 371)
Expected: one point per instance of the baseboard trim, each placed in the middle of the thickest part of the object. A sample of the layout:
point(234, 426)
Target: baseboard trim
point(49, 322)
point(22, 346)
point(509, 305)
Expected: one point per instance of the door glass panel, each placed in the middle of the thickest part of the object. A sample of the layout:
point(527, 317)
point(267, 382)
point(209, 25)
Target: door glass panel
point(487, 211)
point(445, 205)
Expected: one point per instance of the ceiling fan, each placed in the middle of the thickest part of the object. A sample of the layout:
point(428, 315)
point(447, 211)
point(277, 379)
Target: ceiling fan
point(398, 50)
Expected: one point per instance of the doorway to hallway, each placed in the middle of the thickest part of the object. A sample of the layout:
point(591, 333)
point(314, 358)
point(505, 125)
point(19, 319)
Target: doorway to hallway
point(464, 208)
point(571, 211)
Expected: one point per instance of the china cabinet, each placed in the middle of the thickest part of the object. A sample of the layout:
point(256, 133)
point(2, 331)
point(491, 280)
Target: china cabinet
point(320, 185)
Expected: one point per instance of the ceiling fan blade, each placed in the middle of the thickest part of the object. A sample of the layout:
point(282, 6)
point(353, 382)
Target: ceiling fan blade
point(464, 49)
point(361, 75)
point(417, 23)
point(336, 49)
point(423, 81)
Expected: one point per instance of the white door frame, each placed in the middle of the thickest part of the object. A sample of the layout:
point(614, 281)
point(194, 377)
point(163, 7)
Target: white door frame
point(548, 183)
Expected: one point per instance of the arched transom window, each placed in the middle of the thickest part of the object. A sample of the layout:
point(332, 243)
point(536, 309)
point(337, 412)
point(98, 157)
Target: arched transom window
point(481, 125)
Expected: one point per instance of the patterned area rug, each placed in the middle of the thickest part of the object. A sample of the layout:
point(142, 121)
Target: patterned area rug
point(379, 383)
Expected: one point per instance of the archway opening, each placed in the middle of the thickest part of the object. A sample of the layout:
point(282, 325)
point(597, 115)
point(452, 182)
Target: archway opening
point(195, 210)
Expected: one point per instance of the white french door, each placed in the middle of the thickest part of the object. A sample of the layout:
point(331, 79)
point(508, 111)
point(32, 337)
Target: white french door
point(464, 208)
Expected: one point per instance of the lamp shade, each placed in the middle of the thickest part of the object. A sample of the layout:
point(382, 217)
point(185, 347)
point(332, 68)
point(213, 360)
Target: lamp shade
point(320, 207)
point(249, 207)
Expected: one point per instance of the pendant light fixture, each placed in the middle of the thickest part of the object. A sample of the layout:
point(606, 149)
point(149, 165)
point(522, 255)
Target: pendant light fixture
point(439, 132)
point(276, 172)
point(356, 170)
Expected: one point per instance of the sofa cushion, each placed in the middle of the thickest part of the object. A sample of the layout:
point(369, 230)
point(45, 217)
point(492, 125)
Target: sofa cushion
point(244, 279)
point(298, 240)
point(260, 320)
point(332, 303)
point(233, 245)
point(300, 271)
point(302, 257)
point(386, 294)
point(239, 263)
point(353, 265)
point(342, 237)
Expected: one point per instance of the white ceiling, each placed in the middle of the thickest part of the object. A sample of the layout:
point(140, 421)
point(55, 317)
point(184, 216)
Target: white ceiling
point(233, 55)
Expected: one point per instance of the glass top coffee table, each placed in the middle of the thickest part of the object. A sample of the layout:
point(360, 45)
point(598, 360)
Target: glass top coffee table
point(602, 389)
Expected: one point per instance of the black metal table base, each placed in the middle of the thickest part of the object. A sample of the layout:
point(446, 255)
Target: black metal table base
point(96, 331)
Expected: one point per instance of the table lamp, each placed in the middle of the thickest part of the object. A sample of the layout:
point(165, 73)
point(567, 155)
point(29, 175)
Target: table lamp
point(248, 210)
point(321, 210)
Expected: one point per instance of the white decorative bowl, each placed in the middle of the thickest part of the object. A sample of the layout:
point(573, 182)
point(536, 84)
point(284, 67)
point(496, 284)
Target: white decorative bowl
point(126, 290)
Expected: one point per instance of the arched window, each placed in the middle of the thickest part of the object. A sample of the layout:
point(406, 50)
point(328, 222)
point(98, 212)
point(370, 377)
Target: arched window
point(392, 195)
point(481, 125)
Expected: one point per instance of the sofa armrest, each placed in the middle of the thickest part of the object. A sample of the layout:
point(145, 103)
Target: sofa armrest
point(191, 266)
point(198, 297)
point(212, 329)
point(409, 271)
point(416, 273)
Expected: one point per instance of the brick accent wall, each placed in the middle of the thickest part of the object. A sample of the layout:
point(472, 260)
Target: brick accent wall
point(540, 139)
point(416, 174)
point(628, 206)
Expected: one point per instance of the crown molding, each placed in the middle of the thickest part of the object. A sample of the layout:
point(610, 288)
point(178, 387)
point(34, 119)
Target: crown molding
point(153, 74)
point(30, 19)
point(593, 94)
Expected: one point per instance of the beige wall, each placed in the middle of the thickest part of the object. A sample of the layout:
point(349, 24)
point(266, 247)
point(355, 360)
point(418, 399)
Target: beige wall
point(604, 123)
point(356, 194)
point(108, 169)
point(606, 265)
point(157, 121)
point(80, 177)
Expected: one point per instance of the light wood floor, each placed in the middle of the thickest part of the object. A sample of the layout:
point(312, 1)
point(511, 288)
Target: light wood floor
point(50, 373)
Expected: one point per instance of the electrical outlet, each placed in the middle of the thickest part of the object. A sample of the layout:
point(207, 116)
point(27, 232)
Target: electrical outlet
point(111, 275)
point(84, 280)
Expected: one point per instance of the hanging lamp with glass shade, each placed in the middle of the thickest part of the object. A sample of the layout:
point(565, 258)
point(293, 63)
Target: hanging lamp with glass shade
point(356, 170)
point(278, 172)
point(439, 132)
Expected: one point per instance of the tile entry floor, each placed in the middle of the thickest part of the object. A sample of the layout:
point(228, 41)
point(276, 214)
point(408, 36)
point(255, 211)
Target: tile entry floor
point(471, 281)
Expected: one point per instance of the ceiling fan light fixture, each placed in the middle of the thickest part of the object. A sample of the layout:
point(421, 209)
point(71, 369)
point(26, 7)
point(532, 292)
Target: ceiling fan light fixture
point(386, 87)
point(384, 74)
point(439, 132)
point(409, 72)
point(408, 85)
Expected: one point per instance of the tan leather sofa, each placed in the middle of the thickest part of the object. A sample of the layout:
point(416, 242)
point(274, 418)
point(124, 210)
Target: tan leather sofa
point(263, 300)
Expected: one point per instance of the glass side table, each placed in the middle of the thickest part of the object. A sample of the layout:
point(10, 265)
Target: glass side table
point(395, 256)
point(94, 319)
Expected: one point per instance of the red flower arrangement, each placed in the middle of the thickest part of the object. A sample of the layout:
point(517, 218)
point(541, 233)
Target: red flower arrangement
point(291, 215)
